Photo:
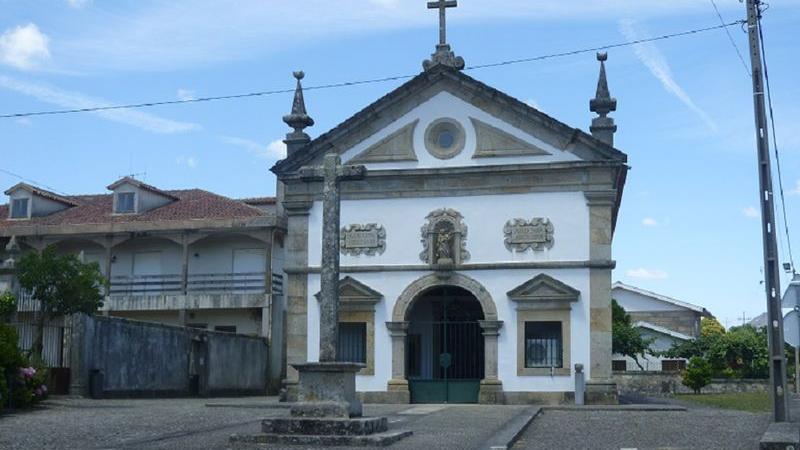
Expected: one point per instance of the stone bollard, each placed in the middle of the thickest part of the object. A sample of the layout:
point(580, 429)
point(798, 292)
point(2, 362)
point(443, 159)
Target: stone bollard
point(580, 384)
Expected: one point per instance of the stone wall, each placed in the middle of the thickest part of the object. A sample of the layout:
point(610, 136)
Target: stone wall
point(686, 322)
point(665, 384)
point(126, 358)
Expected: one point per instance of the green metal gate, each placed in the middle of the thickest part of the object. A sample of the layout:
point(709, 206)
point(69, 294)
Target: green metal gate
point(445, 356)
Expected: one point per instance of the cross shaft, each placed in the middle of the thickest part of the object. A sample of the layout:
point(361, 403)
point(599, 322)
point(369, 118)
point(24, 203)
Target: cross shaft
point(442, 5)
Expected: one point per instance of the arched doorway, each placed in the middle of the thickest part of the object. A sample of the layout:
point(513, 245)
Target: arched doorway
point(445, 346)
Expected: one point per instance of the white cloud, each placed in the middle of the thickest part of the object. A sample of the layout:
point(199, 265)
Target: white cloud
point(185, 94)
point(272, 151)
point(647, 274)
point(24, 47)
point(654, 60)
point(188, 161)
point(24, 121)
point(751, 212)
point(796, 190)
point(76, 100)
point(649, 222)
point(78, 4)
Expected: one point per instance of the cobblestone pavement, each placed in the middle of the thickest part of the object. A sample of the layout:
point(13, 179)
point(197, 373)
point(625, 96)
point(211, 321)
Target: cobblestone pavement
point(696, 428)
point(190, 424)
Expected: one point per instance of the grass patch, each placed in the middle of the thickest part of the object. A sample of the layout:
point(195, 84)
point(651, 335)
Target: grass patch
point(745, 401)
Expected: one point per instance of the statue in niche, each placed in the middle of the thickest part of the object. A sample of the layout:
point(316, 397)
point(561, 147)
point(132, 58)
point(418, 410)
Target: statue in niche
point(444, 243)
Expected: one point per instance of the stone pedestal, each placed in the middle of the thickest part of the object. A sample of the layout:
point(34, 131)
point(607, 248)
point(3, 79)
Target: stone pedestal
point(327, 389)
point(327, 413)
point(601, 392)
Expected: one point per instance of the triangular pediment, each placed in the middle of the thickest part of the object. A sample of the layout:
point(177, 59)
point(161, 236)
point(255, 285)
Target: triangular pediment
point(491, 141)
point(398, 146)
point(383, 113)
point(543, 291)
point(354, 295)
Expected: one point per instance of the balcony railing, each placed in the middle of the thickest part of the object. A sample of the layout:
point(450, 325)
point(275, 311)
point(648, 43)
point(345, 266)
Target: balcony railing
point(213, 283)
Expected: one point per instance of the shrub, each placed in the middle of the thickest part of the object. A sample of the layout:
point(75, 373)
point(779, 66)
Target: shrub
point(697, 374)
point(21, 385)
point(8, 304)
point(28, 387)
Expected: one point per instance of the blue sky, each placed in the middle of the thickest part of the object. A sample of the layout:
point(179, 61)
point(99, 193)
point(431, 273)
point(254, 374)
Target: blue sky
point(688, 225)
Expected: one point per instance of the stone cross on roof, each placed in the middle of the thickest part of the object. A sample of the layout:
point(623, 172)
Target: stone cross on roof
point(442, 6)
point(443, 55)
point(331, 173)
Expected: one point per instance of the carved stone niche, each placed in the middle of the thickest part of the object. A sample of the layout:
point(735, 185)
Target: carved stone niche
point(357, 239)
point(444, 238)
point(535, 234)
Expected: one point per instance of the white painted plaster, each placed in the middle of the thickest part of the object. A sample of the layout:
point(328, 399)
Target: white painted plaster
point(484, 216)
point(635, 302)
point(442, 105)
point(497, 282)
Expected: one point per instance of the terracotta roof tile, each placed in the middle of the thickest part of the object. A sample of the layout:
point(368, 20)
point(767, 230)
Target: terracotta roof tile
point(97, 209)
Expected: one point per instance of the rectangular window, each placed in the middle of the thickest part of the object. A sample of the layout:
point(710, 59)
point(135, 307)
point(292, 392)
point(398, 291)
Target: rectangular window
point(125, 202)
point(619, 365)
point(673, 365)
point(352, 342)
point(543, 344)
point(19, 208)
point(226, 328)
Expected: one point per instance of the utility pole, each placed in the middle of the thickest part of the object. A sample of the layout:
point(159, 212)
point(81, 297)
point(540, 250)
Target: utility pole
point(777, 366)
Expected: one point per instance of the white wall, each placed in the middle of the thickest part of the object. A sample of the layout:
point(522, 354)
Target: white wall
point(633, 301)
point(484, 216)
point(497, 282)
point(246, 321)
point(445, 104)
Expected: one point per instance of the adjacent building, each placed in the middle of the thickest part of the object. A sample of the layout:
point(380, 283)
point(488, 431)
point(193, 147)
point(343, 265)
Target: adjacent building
point(185, 257)
point(663, 319)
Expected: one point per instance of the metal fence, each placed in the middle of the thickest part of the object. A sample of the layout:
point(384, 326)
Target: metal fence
point(55, 339)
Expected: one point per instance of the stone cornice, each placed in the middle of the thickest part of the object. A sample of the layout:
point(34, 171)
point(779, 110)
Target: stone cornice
point(587, 264)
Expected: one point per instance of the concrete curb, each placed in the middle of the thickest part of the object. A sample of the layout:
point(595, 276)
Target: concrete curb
point(651, 407)
point(250, 405)
point(508, 435)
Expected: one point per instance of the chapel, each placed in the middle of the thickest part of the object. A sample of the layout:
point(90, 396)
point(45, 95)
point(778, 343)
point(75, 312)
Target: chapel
point(476, 252)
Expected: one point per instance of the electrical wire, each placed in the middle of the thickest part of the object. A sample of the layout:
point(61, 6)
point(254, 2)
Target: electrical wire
point(33, 182)
point(369, 81)
point(775, 142)
point(733, 42)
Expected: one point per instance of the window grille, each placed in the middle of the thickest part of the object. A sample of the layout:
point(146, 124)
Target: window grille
point(352, 345)
point(543, 344)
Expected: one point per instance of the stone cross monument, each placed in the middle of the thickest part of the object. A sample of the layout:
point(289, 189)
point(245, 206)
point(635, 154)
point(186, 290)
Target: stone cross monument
point(331, 173)
point(443, 55)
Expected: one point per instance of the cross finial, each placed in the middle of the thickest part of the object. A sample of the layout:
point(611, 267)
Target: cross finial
point(443, 55)
point(603, 103)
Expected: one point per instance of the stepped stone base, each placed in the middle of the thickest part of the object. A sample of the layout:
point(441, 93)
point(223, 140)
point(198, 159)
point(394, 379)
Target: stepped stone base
point(267, 440)
point(325, 427)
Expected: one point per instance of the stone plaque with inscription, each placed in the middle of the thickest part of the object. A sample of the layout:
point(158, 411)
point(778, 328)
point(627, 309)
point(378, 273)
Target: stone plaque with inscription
point(535, 234)
point(357, 239)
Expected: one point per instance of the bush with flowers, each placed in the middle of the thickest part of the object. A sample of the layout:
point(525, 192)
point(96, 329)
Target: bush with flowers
point(21, 384)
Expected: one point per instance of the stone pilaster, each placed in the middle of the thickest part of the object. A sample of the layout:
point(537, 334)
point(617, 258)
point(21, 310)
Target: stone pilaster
point(398, 385)
point(598, 387)
point(296, 330)
point(491, 390)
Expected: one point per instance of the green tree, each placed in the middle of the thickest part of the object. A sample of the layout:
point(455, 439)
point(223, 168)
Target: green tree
point(8, 304)
point(63, 284)
point(627, 339)
point(710, 327)
point(697, 374)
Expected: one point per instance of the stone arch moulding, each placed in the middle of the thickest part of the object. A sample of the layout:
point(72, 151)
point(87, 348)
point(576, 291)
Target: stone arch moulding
point(410, 293)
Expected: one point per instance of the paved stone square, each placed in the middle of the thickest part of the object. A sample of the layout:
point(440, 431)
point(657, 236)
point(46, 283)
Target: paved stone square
point(193, 424)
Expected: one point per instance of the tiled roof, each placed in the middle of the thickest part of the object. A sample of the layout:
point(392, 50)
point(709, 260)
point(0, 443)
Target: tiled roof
point(41, 193)
point(258, 200)
point(140, 185)
point(97, 209)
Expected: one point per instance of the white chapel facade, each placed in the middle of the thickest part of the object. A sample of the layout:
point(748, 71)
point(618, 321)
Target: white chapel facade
point(475, 254)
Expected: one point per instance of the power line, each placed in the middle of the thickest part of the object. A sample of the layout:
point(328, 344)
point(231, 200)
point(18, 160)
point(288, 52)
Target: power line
point(369, 81)
point(775, 143)
point(33, 182)
point(730, 38)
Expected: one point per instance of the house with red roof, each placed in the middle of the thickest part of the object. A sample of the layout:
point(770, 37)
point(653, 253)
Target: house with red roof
point(183, 257)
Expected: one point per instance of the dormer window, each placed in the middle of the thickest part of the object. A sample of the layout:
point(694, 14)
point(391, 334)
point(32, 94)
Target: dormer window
point(126, 202)
point(19, 208)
